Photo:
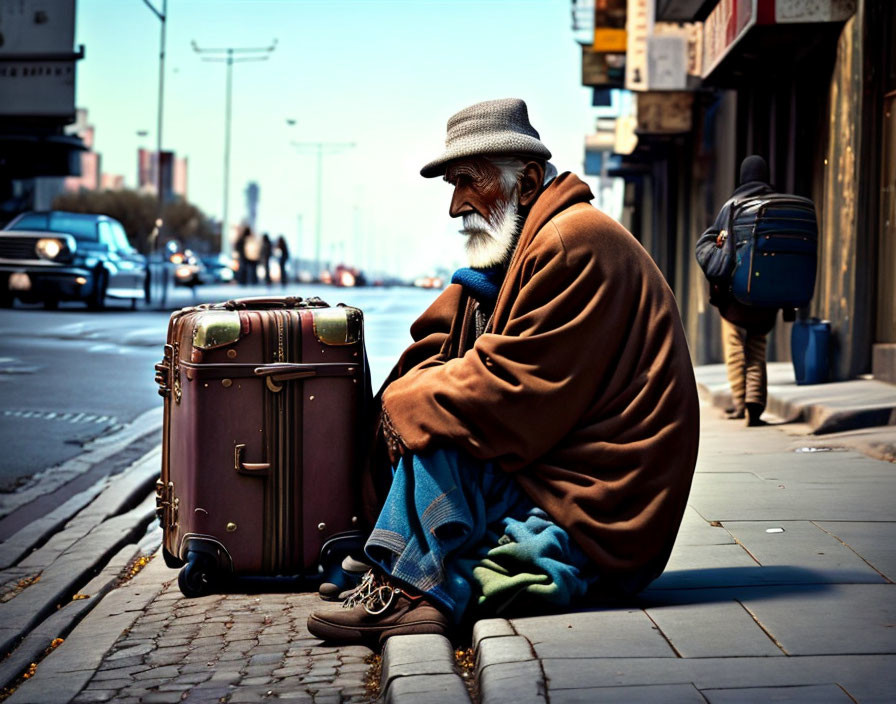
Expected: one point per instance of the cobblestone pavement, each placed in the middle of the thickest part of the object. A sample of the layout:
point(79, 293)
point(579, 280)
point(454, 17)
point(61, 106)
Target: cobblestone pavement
point(227, 648)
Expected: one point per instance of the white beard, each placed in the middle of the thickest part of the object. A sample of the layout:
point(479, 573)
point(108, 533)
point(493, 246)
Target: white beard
point(491, 242)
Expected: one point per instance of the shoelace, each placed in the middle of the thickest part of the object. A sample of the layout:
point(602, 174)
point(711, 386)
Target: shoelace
point(373, 593)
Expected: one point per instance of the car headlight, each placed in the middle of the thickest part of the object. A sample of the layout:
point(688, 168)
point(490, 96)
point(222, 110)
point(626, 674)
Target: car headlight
point(50, 248)
point(183, 272)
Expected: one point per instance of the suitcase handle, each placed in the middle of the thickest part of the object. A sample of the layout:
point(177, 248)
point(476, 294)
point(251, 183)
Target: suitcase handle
point(255, 469)
point(273, 302)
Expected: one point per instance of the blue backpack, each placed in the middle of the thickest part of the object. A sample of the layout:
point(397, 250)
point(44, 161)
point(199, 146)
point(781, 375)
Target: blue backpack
point(776, 250)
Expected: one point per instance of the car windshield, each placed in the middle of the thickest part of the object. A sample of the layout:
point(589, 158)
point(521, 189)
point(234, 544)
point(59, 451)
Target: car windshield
point(83, 229)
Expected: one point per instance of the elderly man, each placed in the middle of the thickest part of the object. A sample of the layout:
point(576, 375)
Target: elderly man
point(543, 425)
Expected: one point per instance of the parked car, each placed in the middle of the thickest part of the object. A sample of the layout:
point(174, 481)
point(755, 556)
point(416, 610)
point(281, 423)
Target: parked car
point(219, 267)
point(54, 255)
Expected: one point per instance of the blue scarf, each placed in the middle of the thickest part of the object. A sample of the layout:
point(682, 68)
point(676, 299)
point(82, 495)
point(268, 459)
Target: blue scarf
point(482, 283)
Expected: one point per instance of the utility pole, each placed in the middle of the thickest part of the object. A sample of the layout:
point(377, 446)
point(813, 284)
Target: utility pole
point(320, 148)
point(226, 55)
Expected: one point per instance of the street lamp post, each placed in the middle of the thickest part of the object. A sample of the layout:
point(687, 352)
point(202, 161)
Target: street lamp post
point(226, 55)
point(162, 15)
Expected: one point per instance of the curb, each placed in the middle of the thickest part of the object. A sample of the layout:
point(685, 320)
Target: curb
point(62, 675)
point(420, 669)
point(115, 493)
point(826, 408)
point(507, 669)
point(109, 526)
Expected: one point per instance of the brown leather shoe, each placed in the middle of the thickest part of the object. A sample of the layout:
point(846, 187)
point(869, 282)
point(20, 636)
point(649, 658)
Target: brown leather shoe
point(376, 610)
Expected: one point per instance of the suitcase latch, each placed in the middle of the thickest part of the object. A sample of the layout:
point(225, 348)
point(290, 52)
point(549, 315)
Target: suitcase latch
point(166, 505)
point(255, 469)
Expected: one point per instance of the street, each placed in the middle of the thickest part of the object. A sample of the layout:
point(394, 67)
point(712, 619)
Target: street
point(72, 376)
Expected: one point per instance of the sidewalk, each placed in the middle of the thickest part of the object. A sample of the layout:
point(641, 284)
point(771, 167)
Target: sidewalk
point(780, 588)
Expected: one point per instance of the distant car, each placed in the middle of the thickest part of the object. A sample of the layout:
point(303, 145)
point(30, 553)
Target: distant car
point(188, 268)
point(219, 267)
point(51, 256)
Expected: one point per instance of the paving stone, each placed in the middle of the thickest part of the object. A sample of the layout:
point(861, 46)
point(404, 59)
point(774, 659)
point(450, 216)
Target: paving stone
point(802, 544)
point(266, 659)
point(746, 497)
point(110, 684)
point(649, 694)
point(166, 656)
point(837, 619)
point(161, 698)
point(247, 695)
point(193, 677)
point(606, 633)
point(865, 677)
point(203, 694)
point(297, 696)
point(874, 542)
point(291, 671)
point(258, 670)
point(225, 675)
point(118, 672)
point(712, 630)
point(256, 681)
point(131, 652)
point(696, 530)
point(95, 695)
point(817, 694)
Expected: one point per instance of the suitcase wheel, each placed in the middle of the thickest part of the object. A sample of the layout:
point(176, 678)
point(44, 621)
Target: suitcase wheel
point(197, 578)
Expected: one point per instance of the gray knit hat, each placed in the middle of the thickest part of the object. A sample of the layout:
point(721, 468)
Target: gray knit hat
point(490, 128)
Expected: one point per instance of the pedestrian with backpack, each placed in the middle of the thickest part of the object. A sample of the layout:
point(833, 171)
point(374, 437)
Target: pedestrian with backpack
point(759, 256)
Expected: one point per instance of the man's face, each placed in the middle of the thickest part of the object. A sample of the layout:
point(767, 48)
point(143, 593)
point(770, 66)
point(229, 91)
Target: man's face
point(488, 208)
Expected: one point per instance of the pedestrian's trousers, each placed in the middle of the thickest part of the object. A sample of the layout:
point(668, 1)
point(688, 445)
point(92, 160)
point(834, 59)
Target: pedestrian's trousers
point(745, 362)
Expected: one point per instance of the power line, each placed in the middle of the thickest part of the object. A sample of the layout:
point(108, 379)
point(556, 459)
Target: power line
point(230, 56)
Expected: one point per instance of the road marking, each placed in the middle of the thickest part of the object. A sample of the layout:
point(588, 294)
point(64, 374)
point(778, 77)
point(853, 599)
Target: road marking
point(74, 418)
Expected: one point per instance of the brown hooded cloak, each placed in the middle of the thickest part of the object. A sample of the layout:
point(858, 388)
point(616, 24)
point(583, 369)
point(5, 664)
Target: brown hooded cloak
point(582, 385)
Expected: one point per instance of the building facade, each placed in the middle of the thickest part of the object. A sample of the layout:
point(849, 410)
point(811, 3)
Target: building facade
point(810, 86)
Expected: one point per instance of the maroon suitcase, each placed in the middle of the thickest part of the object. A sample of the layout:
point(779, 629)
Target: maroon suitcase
point(263, 399)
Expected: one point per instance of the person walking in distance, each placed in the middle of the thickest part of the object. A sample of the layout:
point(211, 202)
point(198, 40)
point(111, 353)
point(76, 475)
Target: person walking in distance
point(242, 257)
point(283, 255)
point(266, 257)
point(744, 328)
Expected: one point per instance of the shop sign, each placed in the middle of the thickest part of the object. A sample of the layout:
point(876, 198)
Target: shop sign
point(37, 88)
point(639, 25)
point(724, 27)
point(791, 11)
point(37, 64)
point(600, 69)
point(609, 26)
point(665, 113)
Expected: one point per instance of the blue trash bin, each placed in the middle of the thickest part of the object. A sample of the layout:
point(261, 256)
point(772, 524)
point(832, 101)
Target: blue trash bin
point(809, 343)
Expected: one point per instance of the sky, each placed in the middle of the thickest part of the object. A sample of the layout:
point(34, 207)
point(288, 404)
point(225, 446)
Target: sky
point(382, 75)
